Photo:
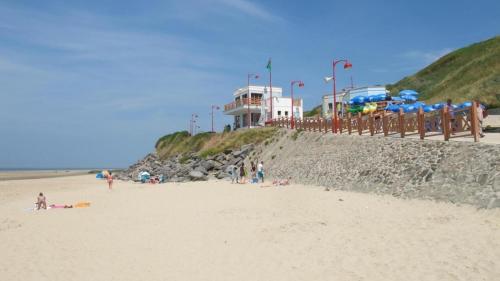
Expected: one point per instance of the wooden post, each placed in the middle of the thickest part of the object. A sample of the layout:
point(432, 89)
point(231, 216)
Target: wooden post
point(445, 123)
point(341, 124)
point(349, 125)
point(421, 122)
point(326, 125)
point(370, 124)
point(401, 122)
point(385, 124)
point(320, 124)
point(360, 124)
point(474, 121)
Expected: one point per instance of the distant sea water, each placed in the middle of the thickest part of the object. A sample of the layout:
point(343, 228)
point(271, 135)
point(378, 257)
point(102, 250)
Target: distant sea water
point(55, 169)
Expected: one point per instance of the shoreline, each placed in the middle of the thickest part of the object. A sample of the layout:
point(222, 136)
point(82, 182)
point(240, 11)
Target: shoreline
point(7, 175)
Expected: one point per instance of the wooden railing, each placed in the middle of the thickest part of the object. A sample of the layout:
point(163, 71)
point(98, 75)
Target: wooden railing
point(242, 102)
point(458, 123)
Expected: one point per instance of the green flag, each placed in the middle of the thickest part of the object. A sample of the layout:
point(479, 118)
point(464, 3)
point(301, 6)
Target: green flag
point(269, 65)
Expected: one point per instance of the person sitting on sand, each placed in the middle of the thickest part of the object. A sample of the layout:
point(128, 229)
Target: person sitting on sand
point(41, 202)
point(282, 182)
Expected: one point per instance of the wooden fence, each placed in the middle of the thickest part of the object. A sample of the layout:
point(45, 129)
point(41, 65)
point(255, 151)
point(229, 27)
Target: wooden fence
point(448, 123)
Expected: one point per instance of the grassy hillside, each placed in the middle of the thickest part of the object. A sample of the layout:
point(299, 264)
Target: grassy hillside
point(206, 144)
point(469, 73)
point(313, 112)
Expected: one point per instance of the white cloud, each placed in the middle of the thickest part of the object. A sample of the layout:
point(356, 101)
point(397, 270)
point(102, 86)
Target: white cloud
point(426, 57)
point(251, 9)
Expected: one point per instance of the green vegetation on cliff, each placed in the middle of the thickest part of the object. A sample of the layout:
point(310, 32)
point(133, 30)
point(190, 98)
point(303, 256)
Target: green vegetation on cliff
point(468, 73)
point(313, 112)
point(205, 144)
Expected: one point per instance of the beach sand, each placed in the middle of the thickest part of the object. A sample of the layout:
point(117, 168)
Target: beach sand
point(218, 231)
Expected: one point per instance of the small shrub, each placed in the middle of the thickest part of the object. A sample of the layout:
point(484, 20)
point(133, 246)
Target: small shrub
point(281, 147)
point(184, 159)
point(273, 156)
point(296, 134)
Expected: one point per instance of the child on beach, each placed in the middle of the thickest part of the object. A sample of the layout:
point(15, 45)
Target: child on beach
point(41, 202)
point(234, 174)
point(260, 171)
point(110, 180)
point(253, 172)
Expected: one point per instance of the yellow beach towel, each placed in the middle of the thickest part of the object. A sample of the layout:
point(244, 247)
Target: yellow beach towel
point(82, 205)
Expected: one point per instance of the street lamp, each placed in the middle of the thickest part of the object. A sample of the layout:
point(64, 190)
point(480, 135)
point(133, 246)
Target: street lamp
point(249, 116)
point(216, 107)
point(301, 84)
point(192, 122)
point(347, 65)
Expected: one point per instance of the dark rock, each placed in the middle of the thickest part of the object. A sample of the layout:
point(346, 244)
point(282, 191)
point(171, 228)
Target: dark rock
point(197, 176)
point(201, 169)
point(494, 203)
point(207, 165)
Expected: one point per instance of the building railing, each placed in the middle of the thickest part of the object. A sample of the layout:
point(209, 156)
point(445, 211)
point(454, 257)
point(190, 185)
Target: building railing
point(242, 102)
point(423, 124)
point(253, 101)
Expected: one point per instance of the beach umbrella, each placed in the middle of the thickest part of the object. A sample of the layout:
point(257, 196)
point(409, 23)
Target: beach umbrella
point(408, 93)
point(409, 98)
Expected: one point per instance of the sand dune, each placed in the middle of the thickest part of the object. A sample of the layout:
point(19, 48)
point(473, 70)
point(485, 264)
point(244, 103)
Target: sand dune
point(218, 231)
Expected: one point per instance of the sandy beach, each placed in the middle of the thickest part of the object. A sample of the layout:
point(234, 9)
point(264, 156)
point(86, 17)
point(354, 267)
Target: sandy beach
point(218, 231)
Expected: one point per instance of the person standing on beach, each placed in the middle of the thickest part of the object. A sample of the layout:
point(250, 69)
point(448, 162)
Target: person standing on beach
point(260, 171)
point(481, 114)
point(110, 181)
point(242, 173)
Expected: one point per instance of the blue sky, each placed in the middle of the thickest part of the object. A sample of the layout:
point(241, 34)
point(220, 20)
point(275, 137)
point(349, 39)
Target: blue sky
point(95, 83)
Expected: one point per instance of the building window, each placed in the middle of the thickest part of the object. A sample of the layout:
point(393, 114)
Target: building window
point(279, 112)
point(286, 113)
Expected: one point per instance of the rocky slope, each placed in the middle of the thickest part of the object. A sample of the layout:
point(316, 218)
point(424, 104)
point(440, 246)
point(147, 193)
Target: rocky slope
point(188, 167)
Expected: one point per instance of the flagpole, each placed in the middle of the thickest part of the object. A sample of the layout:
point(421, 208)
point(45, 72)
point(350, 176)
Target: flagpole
point(271, 86)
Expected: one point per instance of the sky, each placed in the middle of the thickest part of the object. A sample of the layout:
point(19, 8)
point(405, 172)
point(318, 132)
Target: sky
point(87, 84)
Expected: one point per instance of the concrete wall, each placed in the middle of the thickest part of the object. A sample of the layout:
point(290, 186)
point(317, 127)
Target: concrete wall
point(458, 172)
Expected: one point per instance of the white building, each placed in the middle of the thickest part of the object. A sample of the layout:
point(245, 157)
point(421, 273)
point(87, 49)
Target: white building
point(345, 95)
point(260, 106)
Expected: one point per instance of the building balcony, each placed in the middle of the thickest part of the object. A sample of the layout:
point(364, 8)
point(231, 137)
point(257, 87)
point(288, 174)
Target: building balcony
point(242, 105)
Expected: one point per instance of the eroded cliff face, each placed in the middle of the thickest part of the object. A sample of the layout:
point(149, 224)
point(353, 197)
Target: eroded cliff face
point(458, 172)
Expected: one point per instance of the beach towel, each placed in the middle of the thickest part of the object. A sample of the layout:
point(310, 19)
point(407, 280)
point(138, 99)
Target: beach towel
point(82, 205)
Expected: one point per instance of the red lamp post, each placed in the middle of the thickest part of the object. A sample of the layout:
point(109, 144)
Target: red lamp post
point(301, 84)
point(216, 107)
point(347, 65)
point(249, 116)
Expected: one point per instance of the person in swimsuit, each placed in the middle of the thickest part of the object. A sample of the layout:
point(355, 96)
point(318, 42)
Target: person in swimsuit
point(41, 202)
point(110, 180)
